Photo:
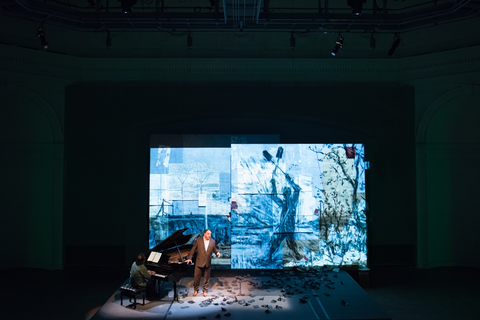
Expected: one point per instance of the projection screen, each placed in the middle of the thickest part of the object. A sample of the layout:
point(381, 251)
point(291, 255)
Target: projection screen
point(269, 206)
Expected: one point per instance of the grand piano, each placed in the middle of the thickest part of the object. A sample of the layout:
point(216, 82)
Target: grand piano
point(173, 251)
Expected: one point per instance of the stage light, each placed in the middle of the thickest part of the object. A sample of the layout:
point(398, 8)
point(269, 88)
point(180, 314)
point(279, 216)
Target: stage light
point(42, 37)
point(108, 40)
point(292, 41)
point(395, 44)
point(357, 6)
point(189, 40)
point(127, 5)
point(338, 45)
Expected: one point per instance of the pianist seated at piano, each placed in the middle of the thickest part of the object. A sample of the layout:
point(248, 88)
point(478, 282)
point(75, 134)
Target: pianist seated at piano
point(204, 247)
point(140, 276)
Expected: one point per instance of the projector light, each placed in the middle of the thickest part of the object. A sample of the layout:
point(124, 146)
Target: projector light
point(338, 45)
point(357, 6)
point(127, 6)
point(395, 44)
point(41, 36)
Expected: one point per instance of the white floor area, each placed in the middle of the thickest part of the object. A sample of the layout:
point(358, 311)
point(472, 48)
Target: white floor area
point(280, 295)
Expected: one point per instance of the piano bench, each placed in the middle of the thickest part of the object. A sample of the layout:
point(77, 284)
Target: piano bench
point(131, 292)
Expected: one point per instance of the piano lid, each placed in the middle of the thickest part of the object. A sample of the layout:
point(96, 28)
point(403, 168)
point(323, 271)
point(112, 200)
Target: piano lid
point(175, 239)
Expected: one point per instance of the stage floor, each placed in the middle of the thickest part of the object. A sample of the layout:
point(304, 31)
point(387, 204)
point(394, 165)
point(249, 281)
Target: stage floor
point(314, 295)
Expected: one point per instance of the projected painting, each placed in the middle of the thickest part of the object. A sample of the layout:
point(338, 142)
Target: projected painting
point(190, 188)
point(268, 205)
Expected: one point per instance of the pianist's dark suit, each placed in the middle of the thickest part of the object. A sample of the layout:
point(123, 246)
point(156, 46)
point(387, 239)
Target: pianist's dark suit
point(203, 262)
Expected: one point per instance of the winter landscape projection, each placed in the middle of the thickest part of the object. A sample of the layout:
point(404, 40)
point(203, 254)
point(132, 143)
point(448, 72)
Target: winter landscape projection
point(268, 206)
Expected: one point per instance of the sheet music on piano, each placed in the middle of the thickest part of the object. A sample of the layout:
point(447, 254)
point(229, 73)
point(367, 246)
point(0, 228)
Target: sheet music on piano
point(154, 257)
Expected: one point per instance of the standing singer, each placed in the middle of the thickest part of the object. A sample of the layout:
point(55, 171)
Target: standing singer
point(204, 246)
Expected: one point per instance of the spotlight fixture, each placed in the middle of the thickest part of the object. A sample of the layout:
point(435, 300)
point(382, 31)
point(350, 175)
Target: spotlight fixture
point(108, 40)
point(357, 6)
point(395, 44)
point(189, 40)
point(372, 42)
point(338, 45)
point(292, 41)
point(41, 36)
point(127, 5)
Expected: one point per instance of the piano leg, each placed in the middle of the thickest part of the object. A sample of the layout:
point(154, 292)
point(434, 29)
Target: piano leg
point(175, 293)
point(159, 287)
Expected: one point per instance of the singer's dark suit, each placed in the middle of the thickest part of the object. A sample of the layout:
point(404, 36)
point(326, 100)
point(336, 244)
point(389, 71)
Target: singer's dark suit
point(203, 262)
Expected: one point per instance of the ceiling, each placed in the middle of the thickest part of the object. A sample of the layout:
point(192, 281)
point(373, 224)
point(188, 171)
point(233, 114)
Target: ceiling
point(238, 15)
